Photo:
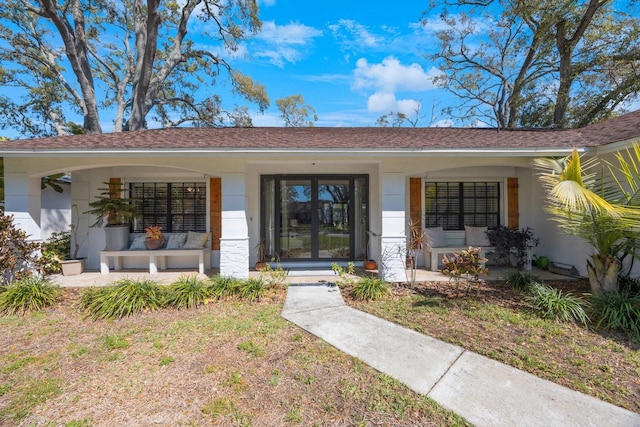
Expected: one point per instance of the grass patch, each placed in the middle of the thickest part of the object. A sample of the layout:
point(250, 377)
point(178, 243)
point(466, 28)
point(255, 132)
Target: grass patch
point(498, 323)
point(252, 348)
point(29, 394)
point(115, 342)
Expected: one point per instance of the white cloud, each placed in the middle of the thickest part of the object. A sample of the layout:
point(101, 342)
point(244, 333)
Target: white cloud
point(357, 34)
point(293, 33)
point(284, 43)
point(387, 78)
point(390, 76)
point(279, 55)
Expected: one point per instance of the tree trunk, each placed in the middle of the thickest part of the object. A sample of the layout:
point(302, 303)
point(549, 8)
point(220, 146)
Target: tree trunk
point(146, 46)
point(75, 43)
point(603, 273)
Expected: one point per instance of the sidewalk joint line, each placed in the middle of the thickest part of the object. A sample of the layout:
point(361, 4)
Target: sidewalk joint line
point(445, 372)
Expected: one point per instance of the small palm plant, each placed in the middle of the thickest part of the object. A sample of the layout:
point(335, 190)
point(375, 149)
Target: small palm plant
point(601, 208)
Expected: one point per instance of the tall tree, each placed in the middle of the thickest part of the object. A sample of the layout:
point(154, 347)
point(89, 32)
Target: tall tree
point(548, 63)
point(132, 55)
point(295, 112)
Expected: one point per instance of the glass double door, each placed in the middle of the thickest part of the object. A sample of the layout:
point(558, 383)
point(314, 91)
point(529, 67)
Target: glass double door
point(314, 217)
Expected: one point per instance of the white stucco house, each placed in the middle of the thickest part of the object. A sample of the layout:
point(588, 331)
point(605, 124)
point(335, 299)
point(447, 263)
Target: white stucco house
point(310, 194)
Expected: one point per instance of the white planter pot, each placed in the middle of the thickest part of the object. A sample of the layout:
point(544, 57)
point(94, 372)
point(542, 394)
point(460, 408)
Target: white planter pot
point(117, 237)
point(72, 267)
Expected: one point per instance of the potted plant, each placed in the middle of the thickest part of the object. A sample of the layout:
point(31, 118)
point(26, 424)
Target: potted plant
point(507, 241)
point(154, 239)
point(73, 265)
point(117, 212)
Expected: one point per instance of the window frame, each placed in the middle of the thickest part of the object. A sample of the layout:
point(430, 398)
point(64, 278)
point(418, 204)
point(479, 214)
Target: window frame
point(496, 215)
point(170, 201)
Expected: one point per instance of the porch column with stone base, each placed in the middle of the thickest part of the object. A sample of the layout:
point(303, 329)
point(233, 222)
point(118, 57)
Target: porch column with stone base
point(393, 241)
point(234, 239)
point(393, 250)
point(234, 258)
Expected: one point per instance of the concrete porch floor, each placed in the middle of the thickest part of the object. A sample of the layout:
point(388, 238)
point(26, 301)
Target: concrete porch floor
point(94, 278)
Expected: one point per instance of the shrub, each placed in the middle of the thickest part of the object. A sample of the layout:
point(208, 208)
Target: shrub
point(55, 249)
point(506, 240)
point(555, 305)
point(28, 294)
point(187, 291)
point(370, 288)
point(18, 257)
point(124, 298)
point(273, 277)
point(629, 284)
point(223, 287)
point(251, 289)
point(617, 310)
point(519, 280)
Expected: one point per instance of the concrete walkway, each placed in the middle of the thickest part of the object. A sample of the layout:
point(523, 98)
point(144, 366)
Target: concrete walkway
point(483, 391)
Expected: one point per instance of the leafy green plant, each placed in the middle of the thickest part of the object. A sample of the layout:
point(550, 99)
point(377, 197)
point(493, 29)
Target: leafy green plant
point(507, 241)
point(251, 289)
point(520, 280)
point(553, 304)
point(28, 294)
point(346, 275)
point(629, 284)
point(617, 310)
point(223, 287)
point(111, 207)
point(124, 298)
point(370, 288)
point(18, 257)
point(55, 249)
point(187, 291)
point(273, 277)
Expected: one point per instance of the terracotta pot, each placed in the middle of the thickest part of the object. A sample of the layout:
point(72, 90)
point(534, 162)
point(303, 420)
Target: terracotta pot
point(260, 265)
point(369, 264)
point(153, 244)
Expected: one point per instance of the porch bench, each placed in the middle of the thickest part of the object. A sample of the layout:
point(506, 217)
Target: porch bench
point(157, 257)
point(438, 242)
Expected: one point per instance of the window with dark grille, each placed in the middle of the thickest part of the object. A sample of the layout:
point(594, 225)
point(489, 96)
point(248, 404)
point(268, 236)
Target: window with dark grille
point(174, 206)
point(452, 205)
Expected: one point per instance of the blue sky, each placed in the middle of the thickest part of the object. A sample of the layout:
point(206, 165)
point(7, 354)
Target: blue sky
point(353, 61)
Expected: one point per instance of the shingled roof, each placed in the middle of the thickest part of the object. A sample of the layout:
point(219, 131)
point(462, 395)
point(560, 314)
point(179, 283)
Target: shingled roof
point(622, 128)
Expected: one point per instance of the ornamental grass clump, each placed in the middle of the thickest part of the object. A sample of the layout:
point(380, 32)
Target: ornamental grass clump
point(553, 304)
point(370, 288)
point(224, 287)
point(188, 292)
point(617, 310)
point(520, 280)
point(124, 298)
point(28, 294)
point(251, 289)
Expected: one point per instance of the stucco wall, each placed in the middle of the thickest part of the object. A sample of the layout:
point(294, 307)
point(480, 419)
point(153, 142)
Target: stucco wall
point(90, 174)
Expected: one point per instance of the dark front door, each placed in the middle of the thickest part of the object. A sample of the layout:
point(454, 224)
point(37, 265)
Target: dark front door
point(314, 217)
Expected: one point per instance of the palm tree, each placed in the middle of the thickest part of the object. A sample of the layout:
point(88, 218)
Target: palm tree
point(601, 208)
